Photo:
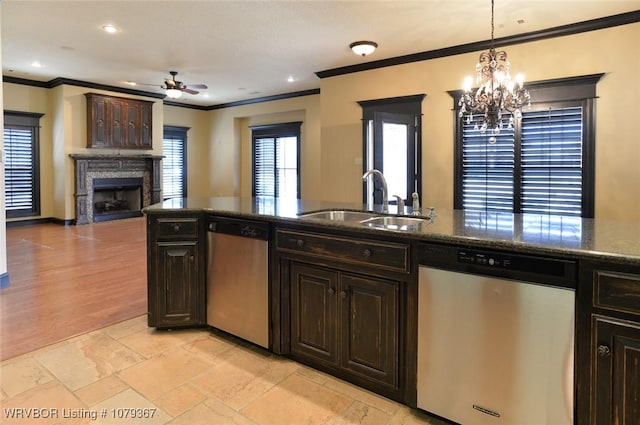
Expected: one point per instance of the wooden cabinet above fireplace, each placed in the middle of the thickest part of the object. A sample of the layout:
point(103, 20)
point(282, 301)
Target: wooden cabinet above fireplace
point(118, 122)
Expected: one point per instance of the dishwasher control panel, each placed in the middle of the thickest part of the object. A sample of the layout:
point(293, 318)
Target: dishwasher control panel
point(508, 265)
point(484, 259)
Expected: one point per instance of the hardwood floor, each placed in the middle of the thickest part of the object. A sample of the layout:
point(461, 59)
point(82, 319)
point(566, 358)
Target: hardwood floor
point(68, 280)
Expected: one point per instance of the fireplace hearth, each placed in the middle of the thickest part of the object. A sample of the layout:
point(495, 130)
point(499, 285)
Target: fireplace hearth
point(110, 187)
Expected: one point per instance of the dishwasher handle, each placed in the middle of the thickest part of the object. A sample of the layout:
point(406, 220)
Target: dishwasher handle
point(239, 227)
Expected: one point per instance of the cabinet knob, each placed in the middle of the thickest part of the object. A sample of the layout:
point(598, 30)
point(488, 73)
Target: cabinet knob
point(343, 294)
point(604, 351)
point(192, 258)
point(332, 291)
point(176, 227)
point(300, 243)
point(366, 253)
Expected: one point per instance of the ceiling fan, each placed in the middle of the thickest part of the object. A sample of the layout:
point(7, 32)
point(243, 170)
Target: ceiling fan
point(175, 88)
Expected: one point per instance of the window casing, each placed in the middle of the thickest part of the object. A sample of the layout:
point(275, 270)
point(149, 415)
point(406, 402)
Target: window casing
point(276, 160)
point(392, 135)
point(174, 163)
point(544, 165)
point(22, 165)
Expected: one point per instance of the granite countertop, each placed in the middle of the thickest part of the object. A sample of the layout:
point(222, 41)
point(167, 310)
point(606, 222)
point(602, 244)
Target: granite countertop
point(544, 234)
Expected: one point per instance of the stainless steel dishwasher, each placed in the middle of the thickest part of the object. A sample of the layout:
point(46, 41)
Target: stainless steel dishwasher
point(495, 336)
point(238, 279)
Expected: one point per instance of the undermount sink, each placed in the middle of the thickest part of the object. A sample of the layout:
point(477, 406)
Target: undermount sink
point(396, 222)
point(370, 219)
point(340, 215)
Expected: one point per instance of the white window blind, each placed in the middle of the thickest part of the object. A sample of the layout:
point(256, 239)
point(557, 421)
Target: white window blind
point(174, 164)
point(487, 169)
point(534, 168)
point(275, 160)
point(19, 168)
point(552, 161)
point(265, 166)
point(22, 166)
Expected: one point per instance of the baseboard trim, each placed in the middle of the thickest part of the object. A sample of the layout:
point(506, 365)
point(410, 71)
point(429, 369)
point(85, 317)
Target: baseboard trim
point(30, 221)
point(4, 280)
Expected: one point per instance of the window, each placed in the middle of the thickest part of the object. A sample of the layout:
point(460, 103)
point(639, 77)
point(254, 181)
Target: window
point(276, 160)
point(174, 163)
point(543, 165)
point(392, 146)
point(22, 177)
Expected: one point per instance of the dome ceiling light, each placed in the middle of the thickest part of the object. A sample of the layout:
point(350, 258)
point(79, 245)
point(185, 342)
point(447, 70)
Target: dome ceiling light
point(363, 48)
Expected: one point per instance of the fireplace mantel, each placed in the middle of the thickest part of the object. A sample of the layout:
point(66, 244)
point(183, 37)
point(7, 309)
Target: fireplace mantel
point(92, 166)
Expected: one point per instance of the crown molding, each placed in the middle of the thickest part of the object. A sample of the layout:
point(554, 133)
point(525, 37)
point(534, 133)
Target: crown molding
point(561, 31)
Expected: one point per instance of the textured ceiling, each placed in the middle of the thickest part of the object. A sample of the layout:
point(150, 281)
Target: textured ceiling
point(248, 49)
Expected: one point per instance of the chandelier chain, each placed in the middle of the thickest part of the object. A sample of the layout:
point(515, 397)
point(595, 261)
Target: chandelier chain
point(492, 25)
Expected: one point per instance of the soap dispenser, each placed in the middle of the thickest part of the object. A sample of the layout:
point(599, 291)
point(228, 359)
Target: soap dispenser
point(416, 204)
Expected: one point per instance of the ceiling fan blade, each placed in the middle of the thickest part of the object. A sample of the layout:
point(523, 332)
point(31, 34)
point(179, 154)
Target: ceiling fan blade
point(198, 86)
point(186, 90)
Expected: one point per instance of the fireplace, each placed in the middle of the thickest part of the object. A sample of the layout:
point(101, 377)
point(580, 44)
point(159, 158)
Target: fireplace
point(117, 197)
point(110, 187)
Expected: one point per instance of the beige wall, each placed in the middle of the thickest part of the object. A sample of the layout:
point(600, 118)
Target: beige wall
point(612, 51)
point(63, 131)
point(230, 144)
point(198, 166)
point(219, 144)
point(3, 229)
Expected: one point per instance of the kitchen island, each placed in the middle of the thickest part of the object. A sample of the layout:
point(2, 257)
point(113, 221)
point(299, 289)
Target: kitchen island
point(343, 293)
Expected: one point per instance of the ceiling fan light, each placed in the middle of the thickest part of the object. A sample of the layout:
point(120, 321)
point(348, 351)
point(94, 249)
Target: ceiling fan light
point(363, 48)
point(174, 93)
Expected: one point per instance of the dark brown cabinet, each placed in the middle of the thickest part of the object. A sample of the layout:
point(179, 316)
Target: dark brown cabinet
point(345, 321)
point(343, 311)
point(118, 123)
point(176, 271)
point(613, 341)
point(617, 372)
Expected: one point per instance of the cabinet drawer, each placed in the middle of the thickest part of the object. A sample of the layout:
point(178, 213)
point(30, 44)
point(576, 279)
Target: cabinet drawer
point(172, 228)
point(385, 255)
point(617, 291)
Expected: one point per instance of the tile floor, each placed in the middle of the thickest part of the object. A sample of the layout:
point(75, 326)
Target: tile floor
point(187, 377)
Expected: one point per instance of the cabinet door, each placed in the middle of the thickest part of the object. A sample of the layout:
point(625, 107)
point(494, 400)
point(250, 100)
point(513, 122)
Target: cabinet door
point(617, 372)
point(178, 285)
point(145, 125)
point(98, 122)
point(118, 124)
point(369, 329)
point(313, 313)
point(132, 113)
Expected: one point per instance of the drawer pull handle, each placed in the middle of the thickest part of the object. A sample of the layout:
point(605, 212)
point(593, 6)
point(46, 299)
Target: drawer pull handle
point(176, 227)
point(300, 243)
point(367, 253)
point(604, 351)
point(332, 291)
point(343, 294)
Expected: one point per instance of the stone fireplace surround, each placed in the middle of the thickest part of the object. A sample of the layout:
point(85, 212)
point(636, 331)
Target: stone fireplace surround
point(91, 166)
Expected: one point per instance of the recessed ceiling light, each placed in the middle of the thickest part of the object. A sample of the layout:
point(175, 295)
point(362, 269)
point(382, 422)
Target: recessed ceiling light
point(131, 83)
point(36, 64)
point(290, 79)
point(111, 29)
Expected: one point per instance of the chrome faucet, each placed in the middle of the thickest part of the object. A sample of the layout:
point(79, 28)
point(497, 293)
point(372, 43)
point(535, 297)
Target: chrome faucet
point(385, 200)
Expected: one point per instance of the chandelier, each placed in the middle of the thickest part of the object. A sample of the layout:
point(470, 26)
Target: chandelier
point(496, 92)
